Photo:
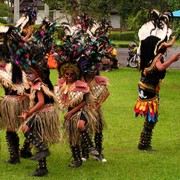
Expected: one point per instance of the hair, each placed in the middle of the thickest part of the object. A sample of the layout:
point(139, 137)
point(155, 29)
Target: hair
point(148, 49)
point(16, 74)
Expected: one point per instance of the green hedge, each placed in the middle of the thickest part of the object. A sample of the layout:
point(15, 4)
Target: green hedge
point(3, 21)
point(123, 36)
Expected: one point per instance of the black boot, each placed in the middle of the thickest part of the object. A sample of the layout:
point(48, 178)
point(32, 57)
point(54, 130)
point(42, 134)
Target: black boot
point(98, 138)
point(42, 168)
point(41, 148)
point(13, 146)
point(85, 151)
point(25, 151)
point(146, 135)
point(77, 162)
point(88, 142)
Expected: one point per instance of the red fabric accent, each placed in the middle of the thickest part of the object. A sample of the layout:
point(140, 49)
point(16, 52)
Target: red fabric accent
point(81, 86)
point(102, 80)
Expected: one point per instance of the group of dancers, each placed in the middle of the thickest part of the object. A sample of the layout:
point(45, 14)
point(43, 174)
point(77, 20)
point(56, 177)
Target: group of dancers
point(32, 104)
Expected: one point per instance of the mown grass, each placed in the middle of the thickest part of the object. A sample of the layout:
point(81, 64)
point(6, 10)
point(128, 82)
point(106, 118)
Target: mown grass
point(121, 137)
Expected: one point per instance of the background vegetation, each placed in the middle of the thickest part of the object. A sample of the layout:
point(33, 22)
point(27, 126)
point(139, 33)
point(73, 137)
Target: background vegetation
point(121, 137)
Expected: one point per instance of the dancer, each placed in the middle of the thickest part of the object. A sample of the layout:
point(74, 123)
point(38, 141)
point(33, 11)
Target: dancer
point(97, 85)
point(15, 85)
point(153, 36)
point(73, 95)
point(41, 125)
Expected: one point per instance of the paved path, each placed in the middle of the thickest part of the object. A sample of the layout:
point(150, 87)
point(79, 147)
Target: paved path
point(123, 54)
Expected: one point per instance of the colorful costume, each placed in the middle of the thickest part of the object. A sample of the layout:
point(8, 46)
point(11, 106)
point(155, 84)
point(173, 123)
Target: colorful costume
point(70, 95)
point(99, 91)
point(152, 34)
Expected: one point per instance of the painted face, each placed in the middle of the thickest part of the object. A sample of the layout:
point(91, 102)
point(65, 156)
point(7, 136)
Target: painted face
point(70, 76)
point(31, 75)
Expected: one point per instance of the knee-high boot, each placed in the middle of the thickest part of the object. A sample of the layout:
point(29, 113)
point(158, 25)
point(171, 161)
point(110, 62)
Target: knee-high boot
point(42, 168)
point(146, 136)
point(13, 146)
point(98, 141)
point(98, 138)
point(41, 148)
point(88, 142)
point(85, 151)
point(25, 151)
point(77, 162)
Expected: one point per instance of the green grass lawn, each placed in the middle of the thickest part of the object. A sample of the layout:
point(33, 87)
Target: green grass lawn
point(125, 161)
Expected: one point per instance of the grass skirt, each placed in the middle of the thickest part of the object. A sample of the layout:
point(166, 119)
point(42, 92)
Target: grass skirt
point(11, 107)
point(71, 129)
point(47, 123)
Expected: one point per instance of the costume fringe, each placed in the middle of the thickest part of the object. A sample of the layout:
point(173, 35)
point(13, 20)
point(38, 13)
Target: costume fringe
point(148, 109)
point(6, 80)
point(101, 124)
point(11, 108)
point(71, 129)
point(47, 123)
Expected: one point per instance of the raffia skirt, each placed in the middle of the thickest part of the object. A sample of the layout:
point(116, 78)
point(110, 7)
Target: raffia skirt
point(46, 123)
point(11, 106)
point(71, 129)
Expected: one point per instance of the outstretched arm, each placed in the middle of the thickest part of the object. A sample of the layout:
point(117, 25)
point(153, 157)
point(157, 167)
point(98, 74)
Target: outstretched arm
point(162, 66)
point(170, 43)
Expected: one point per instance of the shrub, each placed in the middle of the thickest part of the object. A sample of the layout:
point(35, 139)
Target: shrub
point(122, 36)
point(3, 21)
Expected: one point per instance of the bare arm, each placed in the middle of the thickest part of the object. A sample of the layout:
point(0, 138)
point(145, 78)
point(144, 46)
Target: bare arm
point(170, 43)
point(74, 110)
point(28, 34)
point(162, 66)
point(35, 108)
point(103, 99)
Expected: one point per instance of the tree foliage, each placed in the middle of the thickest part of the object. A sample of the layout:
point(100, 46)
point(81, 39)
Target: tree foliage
point(4, 10)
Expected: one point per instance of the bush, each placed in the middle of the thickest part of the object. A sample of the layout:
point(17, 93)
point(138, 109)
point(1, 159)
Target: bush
point(3, 21)
point(122, 36)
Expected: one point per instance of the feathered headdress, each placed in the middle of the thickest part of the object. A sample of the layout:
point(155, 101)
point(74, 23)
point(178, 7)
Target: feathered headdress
point(83, 47)
point(151, 35)
point(29, 17)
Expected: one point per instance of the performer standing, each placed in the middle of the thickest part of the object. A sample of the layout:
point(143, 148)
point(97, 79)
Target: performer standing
point(153, 36)
point(42, 123)
point(15, 85)
point(73, 95)
point(97, 85)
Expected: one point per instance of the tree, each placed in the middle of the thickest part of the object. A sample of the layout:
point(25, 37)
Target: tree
point(94, 8)
point(5, 11)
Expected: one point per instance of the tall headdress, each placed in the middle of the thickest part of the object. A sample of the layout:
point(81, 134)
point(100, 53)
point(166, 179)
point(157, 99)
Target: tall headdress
point(29, 17)
point(151, 35)
point(83, 47)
